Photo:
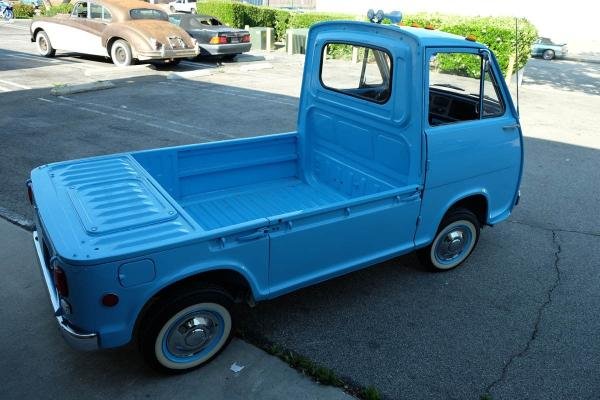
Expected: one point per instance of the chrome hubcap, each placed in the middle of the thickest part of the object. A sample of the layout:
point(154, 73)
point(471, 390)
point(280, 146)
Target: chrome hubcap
point(452, 245)
point(192, 334)
point(121, 56)
point(43, 45)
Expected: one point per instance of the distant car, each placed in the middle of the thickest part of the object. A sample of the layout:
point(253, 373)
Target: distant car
point(34, 3)
point(214, 38)
point(547, 49)
point(124, 30)
point(183, 6)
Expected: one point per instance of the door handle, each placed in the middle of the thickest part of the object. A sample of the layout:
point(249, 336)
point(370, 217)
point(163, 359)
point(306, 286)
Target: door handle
point(252, 236)
point(511, 127)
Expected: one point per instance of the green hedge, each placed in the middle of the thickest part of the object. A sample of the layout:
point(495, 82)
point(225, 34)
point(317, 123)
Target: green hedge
point(498, 33)
point(23, 10)
point(64, 8)
point(240, 14)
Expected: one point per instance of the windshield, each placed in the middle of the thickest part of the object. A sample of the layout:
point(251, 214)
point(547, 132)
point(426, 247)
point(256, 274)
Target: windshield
point(148, 13)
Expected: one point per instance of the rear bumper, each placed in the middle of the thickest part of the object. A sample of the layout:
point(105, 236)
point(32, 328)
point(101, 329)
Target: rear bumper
point(78, 340)
point(223, 49)
point(165, 54)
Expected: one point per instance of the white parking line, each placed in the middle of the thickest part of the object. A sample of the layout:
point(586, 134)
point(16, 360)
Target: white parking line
point(232, 92)
point(141, 118)
point(15, 84)
point(46, 100)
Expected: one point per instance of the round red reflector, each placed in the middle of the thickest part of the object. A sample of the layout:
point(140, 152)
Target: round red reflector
point(110, 300)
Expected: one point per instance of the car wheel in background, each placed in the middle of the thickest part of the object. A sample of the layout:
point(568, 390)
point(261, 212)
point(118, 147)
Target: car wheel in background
point(43, 44)
point(120, 53)
point(172, 9)
point(548, 54)
point(193, 11)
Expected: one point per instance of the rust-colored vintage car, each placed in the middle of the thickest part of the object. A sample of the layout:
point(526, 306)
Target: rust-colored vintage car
point(124, 30)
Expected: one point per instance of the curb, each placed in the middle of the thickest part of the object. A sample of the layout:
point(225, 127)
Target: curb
point(80, 88)
point(255, 67)
point(17, 219)
point(192, 74)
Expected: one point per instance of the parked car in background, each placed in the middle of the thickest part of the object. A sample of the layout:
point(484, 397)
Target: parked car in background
point(6, 11)
point(214, 38)
point(183, 6)
point(124, 30)
point(547, 49)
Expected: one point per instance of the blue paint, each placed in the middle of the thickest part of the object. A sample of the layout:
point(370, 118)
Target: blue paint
point(358, 183)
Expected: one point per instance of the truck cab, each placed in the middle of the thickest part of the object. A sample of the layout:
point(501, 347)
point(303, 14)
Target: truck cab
point(407, 140)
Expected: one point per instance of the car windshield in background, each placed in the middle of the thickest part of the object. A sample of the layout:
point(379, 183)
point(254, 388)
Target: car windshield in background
point(202, 22)
point(148, 13)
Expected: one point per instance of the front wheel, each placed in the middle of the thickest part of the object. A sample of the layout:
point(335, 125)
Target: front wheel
point(8, 15)
point(43, 44)
point(454, 242)
point(548, 55)
point(187, 330)
point(120, 53)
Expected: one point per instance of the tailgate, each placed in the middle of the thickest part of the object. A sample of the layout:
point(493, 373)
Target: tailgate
point(99, 207)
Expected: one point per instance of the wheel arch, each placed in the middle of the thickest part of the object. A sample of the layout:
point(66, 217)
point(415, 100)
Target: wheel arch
point(476, 203)
point(235, 282)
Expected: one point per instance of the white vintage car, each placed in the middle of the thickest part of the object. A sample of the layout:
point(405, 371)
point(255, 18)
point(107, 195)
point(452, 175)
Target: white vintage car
point(124, 30)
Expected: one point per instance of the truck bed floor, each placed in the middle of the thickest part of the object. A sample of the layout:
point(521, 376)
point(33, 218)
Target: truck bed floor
point(240, 204)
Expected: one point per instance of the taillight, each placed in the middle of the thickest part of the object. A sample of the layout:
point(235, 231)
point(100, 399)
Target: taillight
point(218, 40)
point(30, 192)
point(246, 38)
point(60, 281)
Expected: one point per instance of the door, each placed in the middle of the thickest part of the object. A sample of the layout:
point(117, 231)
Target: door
point(79, 33)
point(473, 134)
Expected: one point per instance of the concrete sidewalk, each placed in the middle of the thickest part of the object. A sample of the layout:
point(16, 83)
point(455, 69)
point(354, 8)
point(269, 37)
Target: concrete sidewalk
point(36, 363)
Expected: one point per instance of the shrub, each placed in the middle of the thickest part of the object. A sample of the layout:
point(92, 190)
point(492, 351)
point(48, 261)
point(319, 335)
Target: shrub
point(498, 33)
point(23, 10)
point(64, 8)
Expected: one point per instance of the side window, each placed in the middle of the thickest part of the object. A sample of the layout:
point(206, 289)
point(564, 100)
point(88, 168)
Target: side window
point(455, 84)
point(106, 14)
point(493, 106)
point(95, 11)
point(357, 71)
point(80, 10)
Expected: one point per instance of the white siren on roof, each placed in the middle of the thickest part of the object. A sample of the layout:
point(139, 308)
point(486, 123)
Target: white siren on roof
point(377, 17)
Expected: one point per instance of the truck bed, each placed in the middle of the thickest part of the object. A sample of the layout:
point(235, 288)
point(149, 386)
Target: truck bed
point(237, 205)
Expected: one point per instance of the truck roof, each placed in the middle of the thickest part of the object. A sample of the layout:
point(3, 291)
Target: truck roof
point(424, 37)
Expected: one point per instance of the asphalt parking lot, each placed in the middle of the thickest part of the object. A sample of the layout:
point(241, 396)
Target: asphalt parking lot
point(518, 320)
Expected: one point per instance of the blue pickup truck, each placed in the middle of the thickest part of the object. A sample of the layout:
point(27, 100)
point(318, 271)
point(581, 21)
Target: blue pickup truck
point(398, 148)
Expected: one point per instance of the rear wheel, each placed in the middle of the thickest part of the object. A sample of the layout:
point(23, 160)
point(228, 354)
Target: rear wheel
point(455, 240)
point(43, 44)
point(120, 53)
point(548, 54)
point(187, 330)
point(8, 15)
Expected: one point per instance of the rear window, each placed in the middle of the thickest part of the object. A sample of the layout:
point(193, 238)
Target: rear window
point(357, 71)
point(148, 13)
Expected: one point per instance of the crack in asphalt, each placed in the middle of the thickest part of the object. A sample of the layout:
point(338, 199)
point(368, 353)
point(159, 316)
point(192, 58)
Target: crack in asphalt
point(544, 228)
point(536, 326)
